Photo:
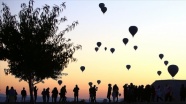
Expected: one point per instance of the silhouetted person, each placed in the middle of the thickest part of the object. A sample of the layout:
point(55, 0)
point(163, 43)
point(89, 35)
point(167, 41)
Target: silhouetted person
point(109, 92)
point(168, 93)
point(23, 93)
point(54, 94)
point(47, 94)
point(182, 93)
point(159, 93)
point(125, 88)
point(116, 90)
point(15, 96)
point(76, 93)
point(35, 93)
point(63, 94)
point(94, 89)
point(43, 93)
point(7, 93)
point(91, 94)
point(12, 95)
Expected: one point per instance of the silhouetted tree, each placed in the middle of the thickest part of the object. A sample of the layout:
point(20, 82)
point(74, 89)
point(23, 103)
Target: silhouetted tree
point(32, 45)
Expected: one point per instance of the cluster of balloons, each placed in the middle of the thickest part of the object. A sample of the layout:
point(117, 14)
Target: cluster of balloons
point(133, 30)
point(102, 7)
point(99, 45)
point(98, 82)
point(172, 69)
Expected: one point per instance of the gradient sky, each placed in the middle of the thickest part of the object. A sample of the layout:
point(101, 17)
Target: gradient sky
point(161, 29)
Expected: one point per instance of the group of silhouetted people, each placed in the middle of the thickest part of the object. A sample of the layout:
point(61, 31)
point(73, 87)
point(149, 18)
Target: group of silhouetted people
point(131, 93)
point(148, 93)
point(11, 94)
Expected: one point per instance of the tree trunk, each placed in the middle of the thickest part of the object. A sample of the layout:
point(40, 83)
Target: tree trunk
point(30, 83)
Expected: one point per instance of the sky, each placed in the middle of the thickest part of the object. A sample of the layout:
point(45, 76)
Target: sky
point(161, 29)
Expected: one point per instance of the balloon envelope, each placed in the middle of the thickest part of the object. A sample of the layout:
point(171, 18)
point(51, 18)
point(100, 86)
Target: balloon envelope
point(98, 44)
point(128, 67)
point(112, 50)
point(161, 56)
point(105, 48)
point(59, 82)
point(125, 40)
point(96, 49)
point(90, 83)
point(135, 47)
point(98, 81)
point(82, 68)
point(133, 30)
point(159, 73)
point(173, 70)
point(166, 62)
point(101, 5)
point(103, 9)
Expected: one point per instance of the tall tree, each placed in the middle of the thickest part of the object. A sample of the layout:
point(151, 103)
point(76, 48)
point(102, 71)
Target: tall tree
point(32, 45)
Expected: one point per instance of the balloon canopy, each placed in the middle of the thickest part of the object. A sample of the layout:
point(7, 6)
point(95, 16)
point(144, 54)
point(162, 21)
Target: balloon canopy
point(105, 48)
point(101, 5)
point(59, 82)
point(166, 62)
point(173, 70)
point(98, 81)
point(98, 44)
point(159, 73)
point(104, 9)
point(133, 30)
point(82, 68)
point(128, 67)
point(125, 40)
point(161, 56)
point(135, 47)
point(112, 50)
point(96, 49)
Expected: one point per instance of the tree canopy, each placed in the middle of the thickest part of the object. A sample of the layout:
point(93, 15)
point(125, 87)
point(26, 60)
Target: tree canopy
point(31, 43)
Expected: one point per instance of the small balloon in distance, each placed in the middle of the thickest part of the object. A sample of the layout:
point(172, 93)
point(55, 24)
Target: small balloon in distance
point(82, 68)
point(98, 44)
point(159, 73)
point(59, 82)
point(96, 49)
point(135, 47)
point(128, 67)
point(112, 50)
point(125, 40)
point(98, 81)
point(161, 56)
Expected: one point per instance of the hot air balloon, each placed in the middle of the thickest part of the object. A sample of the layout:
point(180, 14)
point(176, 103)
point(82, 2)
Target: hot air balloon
point(59, 82)
point(101, 5)
point(133, 30)
point(90, 83)
point(105, 48)
point(173, 70)
point(82, 68)
point(161, 56)
point(98, 44)
point(98, 81)
point(159, 73)
point(96, 49)
point(128, 67)
point(112, 50)
point(104, 9)
point(125, 40)
point(166, 62)
point(135, 47)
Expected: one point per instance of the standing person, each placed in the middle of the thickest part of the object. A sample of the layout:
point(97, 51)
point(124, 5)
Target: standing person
point(159, 93)
point(76, 92)
point(23, 93)
point(64, 91)
point(116, 91)
point(94, 93)
point(11, 95)
point(109, 92)
point(7, 93)
point(48, 94)
point(54, 94)
point(15, 95)
point(35, 93)
point(90, 94)
point(43, 93)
